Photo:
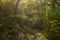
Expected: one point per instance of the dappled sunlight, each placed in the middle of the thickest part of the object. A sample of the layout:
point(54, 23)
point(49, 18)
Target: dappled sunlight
point(29, 19)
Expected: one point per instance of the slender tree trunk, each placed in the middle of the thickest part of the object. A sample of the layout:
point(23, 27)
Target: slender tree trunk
point(53, 3)
point(15, 12)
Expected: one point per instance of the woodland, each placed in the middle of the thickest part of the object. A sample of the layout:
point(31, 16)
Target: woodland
point(29, 19)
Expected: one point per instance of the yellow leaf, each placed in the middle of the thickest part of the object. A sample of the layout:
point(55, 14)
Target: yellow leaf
point(49, 2)
point(1, 25)
point(34, 11)
point(51, 21)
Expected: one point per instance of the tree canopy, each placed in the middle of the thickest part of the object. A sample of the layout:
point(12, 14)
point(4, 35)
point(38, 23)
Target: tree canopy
point(29, 19)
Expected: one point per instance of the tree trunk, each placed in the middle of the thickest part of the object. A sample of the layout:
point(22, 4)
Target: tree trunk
point(15, 12)
point(53, 3)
